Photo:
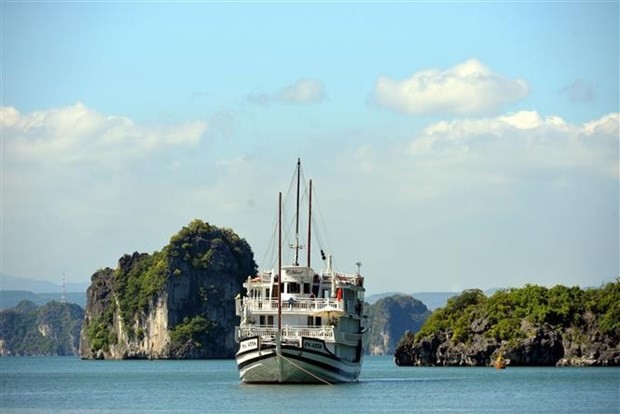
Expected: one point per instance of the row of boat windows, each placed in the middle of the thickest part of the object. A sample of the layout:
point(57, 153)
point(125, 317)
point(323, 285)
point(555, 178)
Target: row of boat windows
point(313, 290)
point(268, 320)
point(299, 288)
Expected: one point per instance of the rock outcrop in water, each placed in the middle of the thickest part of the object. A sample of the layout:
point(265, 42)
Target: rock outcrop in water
point(532, 326)
point(172, 304)
point(389, 319)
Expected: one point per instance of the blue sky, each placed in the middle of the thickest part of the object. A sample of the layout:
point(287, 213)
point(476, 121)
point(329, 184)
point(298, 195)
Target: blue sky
point(452, 145)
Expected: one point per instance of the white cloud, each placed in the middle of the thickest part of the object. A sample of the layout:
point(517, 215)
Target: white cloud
point(490, 156)
point(303, 91)
point(235, 165)
point(469, 88)
point(79, 134)
point(607, 125)
point(523, 139)
point(260, 98)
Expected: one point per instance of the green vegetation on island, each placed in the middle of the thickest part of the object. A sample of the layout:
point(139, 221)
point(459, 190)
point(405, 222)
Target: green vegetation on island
point(187, 288)
point(51, 329)
point(532, 325)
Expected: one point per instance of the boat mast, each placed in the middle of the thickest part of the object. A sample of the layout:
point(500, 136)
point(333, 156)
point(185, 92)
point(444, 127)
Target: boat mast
point(296, 263)
point(309, 219)
point(279, 332)
point(279, 264)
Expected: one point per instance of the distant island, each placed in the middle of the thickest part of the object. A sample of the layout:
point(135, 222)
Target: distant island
point(389, 318)
point(52, 329)
point(529, 326)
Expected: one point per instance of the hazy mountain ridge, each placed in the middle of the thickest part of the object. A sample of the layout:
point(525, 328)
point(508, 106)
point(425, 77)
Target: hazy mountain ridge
point(11, 298)
point(9, 282)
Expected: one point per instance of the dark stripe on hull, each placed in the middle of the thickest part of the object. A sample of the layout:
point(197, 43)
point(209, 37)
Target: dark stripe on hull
point(297, 365)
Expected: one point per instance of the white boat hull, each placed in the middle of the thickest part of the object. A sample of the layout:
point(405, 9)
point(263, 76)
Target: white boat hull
point(294, 365)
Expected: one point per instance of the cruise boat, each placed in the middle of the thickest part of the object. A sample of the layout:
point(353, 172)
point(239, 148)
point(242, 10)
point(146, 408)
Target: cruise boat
point(298, 325)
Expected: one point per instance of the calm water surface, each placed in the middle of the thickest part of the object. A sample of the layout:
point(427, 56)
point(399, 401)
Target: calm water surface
point(65, 384)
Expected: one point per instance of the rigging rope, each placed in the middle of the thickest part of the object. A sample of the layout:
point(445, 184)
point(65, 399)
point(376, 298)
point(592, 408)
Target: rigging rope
point(320, 227)
point(304, 370)
point(320, 233)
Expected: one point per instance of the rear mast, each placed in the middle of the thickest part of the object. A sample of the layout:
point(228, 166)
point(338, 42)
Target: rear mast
point(309, 219)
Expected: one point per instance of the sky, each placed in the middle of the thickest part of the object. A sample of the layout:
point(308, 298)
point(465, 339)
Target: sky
point(452, 145)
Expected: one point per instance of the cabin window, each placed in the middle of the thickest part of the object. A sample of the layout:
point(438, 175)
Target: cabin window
point(312, 321)
point(306, 288)
point(261, 320)
point(293, 288)
point(270, 320)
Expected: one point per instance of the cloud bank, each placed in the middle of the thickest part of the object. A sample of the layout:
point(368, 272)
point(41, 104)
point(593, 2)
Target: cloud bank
point(77, 133)
point(526, 139)
point(490, 156)
point(469, 88)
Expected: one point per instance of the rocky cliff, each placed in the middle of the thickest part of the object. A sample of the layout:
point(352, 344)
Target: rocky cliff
point(175, 303)
point(532, 326)
point(389, 319)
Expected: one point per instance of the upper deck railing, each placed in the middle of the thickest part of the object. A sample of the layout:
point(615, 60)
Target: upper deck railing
point(289, 333)
point(299, 304)
point(341, 279)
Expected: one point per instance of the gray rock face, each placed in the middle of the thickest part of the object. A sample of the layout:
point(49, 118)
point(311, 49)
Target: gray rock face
point(529, 326)
point(177, 303)
point(542, 346)
point(390, 318)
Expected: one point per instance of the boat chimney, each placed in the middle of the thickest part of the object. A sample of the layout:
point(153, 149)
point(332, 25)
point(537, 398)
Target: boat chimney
point(329, 264)
point(332, 275)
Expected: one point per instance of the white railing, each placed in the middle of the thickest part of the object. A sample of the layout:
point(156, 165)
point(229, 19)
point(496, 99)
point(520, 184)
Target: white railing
point(303, 305)
point(344, 278)
point(265, 278)
point(288, 332)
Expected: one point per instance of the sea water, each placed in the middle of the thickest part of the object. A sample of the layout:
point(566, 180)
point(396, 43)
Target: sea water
point(70, 385)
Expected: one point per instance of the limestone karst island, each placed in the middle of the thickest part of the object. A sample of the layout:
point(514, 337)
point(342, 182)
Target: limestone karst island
point(179, 302)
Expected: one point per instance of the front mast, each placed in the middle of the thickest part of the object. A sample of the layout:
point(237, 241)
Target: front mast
point(279, 265)
point(279, 333)
point(297, 246)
